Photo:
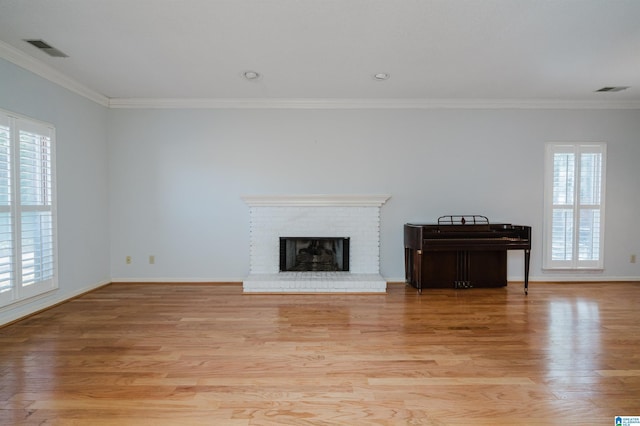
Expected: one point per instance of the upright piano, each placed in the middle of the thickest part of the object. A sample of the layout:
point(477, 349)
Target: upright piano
point(463, 251)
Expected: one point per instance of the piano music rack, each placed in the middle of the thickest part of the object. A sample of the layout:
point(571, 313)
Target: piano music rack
point(474, 219)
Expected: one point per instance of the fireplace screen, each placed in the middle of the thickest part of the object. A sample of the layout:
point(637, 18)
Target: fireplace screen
point(314, 254)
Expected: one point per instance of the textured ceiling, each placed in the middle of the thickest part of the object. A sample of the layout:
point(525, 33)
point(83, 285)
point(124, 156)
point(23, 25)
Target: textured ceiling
point(320, 49)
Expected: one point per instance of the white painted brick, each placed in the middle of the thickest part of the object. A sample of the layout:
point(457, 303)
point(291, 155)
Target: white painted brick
point(269, 223)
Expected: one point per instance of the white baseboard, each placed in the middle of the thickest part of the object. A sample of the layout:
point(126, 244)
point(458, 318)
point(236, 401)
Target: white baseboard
point(30, 306)
point(177, 280)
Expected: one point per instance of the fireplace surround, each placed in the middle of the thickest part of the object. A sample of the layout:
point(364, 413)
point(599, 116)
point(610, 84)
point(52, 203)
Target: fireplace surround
point(356, 217)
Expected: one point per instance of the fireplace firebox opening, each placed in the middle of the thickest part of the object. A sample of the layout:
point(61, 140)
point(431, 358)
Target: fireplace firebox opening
point(314, 254)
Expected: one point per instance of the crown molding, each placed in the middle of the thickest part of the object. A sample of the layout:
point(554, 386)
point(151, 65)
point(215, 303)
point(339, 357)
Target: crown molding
point(37, 67)
point(300, 103)
point(315, 200)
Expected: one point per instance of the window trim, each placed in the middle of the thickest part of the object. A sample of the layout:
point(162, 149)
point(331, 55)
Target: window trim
point(575, 263)
point(16, 208)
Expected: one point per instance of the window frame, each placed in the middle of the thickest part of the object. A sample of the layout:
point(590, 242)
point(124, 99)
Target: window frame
point(575, 206)
point(18, 209)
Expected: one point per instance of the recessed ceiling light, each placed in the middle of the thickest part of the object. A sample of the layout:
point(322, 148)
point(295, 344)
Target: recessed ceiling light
point(612, 89)
point(381, 76)
point(251, 75)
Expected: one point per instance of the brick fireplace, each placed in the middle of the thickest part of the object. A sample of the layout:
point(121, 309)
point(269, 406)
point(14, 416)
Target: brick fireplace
point(356, 217)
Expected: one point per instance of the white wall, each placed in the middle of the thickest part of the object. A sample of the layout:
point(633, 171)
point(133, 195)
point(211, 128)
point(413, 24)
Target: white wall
point(177, 177)
point(83, 222)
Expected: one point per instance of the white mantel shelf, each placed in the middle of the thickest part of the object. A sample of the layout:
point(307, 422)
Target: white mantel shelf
point(315, 200)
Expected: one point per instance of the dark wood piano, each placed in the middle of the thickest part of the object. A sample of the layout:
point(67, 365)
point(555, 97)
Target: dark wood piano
point(462, 252)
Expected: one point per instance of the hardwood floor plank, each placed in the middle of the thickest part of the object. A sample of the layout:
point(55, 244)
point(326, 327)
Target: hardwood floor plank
point(192, 354)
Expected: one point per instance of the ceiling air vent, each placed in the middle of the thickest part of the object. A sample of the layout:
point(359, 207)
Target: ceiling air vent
point(47, 48)
point(612, 89)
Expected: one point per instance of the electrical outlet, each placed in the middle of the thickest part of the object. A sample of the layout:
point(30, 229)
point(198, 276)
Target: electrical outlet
point(128, 260)
point(152, 260)
point(632, 259)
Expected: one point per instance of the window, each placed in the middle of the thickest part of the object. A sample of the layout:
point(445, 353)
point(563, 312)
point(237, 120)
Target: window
point(574, 206)
point(28, 264)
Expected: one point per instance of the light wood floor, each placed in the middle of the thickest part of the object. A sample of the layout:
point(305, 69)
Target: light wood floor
point(165, 354)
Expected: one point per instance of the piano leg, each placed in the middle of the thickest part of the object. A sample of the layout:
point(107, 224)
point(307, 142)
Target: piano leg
point(408, 267)
point(413, 268)
point(463, 269)
point(419, 271)
point(527, 258)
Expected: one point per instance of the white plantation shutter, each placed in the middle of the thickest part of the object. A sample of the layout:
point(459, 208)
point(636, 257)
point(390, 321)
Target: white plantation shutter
point(574, 206)
point(6, 223)
point(36, 215)
point(27, 208)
